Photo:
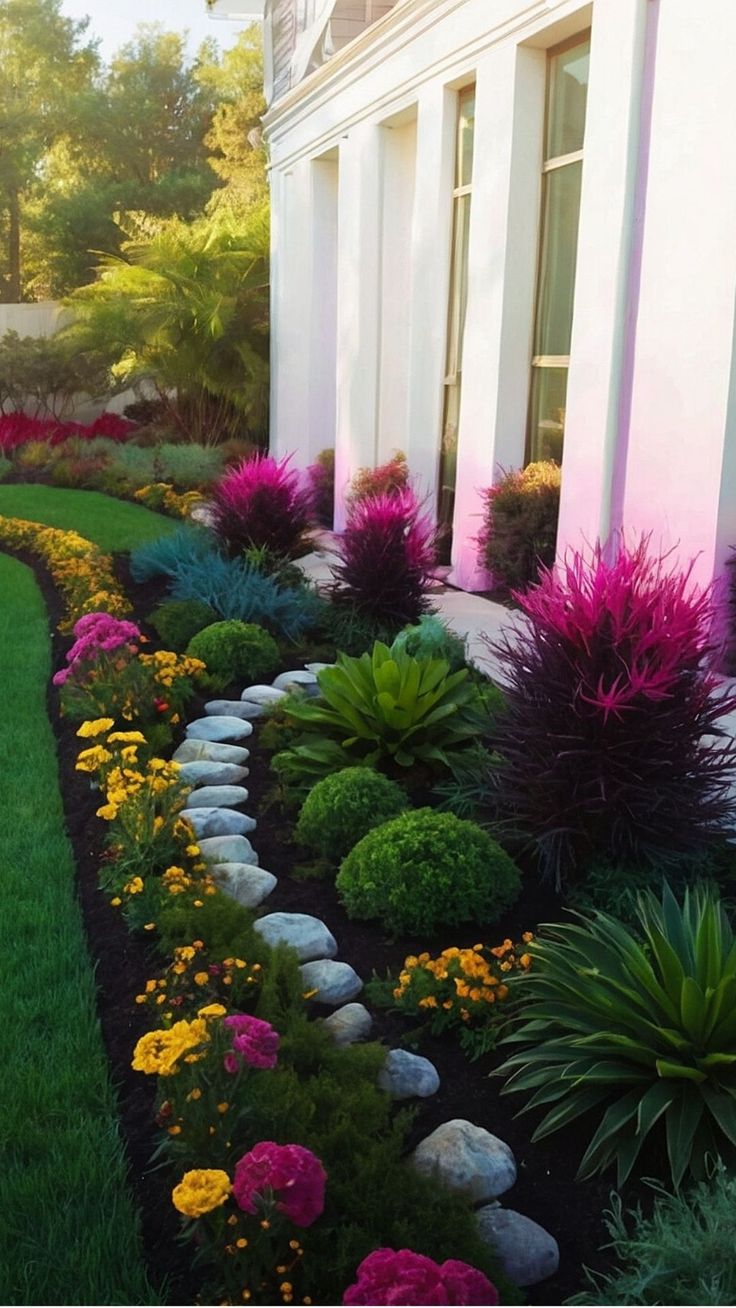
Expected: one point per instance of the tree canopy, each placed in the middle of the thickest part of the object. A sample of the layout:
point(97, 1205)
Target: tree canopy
point(93, 156)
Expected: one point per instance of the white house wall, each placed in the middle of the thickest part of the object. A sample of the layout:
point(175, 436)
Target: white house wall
point(651, 396)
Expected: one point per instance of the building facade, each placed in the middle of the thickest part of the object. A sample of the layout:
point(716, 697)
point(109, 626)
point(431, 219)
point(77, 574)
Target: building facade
point(506, 230)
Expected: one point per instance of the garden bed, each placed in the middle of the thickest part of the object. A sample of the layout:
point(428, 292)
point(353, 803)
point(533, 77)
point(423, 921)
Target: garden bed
point(546, 1189)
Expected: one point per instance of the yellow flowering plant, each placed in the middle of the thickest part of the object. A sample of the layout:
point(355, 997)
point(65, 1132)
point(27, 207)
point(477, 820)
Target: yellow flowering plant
point(195, 974)
point(470, 991)
point(84, 575)
point(132, 687)
point(159, 495)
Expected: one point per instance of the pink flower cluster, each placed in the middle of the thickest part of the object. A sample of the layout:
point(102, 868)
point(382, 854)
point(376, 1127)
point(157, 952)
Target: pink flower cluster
point(254, 1043)
point(289, 1175)
point(387, 554)
point(96, 634)
point(390, 1277)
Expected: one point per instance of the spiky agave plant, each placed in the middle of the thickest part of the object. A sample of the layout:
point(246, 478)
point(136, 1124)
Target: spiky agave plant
point(637, 1027)
point(611, 742)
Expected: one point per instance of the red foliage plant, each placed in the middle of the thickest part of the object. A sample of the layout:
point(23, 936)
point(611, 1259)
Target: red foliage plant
point(611, 743)
point(260, 503)
point(389, 478)
point(387, 554)
point(18, 428)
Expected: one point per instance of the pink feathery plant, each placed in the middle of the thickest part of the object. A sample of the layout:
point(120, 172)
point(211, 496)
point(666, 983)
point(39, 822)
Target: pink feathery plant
point(611, 740)
point(260, 503)
point(387, 554)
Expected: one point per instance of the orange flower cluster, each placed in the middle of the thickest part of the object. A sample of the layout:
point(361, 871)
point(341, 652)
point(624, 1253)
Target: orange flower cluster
point(462, 986)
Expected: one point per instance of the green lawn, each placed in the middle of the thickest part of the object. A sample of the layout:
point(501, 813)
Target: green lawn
point(112, 524)
point(68, 1227)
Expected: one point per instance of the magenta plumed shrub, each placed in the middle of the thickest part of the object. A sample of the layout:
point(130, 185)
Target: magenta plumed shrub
point(609, 706)
point(260, 503)
point(387, 553)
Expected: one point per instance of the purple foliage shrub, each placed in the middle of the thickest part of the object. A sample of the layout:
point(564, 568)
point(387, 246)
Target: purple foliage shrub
point(261, 503)
point(387, 554)
point(611, 744)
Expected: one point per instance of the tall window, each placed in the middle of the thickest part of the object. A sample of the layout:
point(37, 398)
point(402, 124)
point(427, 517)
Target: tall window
point(457, 308)
point(567, 92)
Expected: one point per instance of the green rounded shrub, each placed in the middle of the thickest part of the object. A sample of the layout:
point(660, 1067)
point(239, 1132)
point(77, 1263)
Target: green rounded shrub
point(233, 651)
point(342, 808)
point(425, 870)
point(179, 621)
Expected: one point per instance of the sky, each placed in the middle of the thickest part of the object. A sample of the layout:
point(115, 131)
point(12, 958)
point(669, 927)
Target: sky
point(114, 21)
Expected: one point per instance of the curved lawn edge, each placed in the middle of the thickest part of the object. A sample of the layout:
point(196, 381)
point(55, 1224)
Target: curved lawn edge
point(113, 524)
point(70, 1231)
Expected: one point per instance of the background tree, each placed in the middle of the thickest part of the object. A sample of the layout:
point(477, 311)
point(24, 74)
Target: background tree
point(238, 154)
point(45, 65)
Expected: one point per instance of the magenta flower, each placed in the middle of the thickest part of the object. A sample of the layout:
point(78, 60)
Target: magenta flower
point(390, 1277)
point(254, 1041)
point(290, 1174)
point(387, 554)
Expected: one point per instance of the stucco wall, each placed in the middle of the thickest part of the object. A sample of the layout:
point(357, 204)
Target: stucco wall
point(651, 405)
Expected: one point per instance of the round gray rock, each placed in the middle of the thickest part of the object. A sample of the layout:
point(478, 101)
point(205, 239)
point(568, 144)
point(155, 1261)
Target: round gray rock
point(467, 1158)
point(233, 708)
point(247, 885)
point(228, 849)
point(219, 728)
point(306, 934)
point(335, 983)
point(217, 797)
point(218, 821)
point(407, 1076)
point(191, 751)
point(528, 1254)
point(349, 1024)
point(202, 772)
point(298, 679)
point(316, 668)
point(262, 695)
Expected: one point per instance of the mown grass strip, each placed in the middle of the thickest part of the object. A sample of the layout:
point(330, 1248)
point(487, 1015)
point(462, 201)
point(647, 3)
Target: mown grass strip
point(112, 524)
point(68, 1226)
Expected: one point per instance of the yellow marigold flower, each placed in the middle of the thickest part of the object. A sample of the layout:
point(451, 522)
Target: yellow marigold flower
point(527, 937)
point(212, 1010)
point(108, 812)
point(526, 960)
point(196, 1093)
point(126, 737)
point(193, 851)
point(116, 902)
point(223, 1107)
point(429, 1001)
point(201, 978)
point(95, 727)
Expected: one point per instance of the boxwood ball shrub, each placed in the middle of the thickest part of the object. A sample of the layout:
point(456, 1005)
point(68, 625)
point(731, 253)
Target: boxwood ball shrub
point(342, 808)
point(425, 870)
point(233, 651)
point(178, 621)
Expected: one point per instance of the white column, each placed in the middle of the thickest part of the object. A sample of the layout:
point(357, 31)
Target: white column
point(504, 211)
point(605, 286)
point(679, 483)
point(291, 308)
point(358, 308)
point(321, 337)
point(430, 278)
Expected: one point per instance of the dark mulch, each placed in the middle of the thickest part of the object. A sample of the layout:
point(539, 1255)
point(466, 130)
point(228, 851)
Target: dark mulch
point(546, 1189)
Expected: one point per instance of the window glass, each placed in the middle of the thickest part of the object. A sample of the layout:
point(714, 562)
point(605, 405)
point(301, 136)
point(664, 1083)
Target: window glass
point(567, 92)
point(560, 219)
point(547, 413)
point(466, 132)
